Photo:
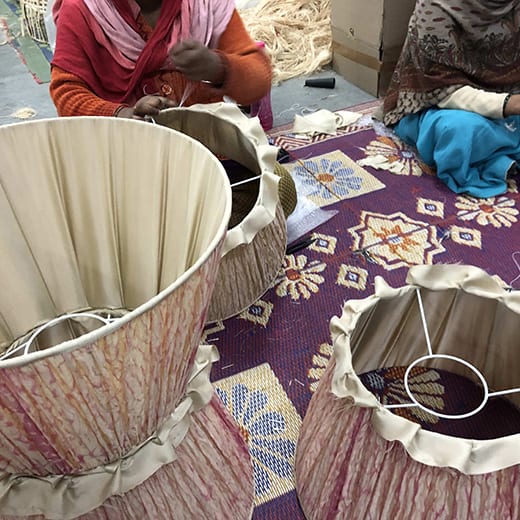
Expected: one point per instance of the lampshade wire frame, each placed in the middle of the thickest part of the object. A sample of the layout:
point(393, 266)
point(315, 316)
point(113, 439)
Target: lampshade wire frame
point(431, 355)
point(246, 181)
point(26, 345)
point(424, 322)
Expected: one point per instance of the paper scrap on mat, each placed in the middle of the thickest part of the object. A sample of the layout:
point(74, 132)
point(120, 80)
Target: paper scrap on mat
point(324, 122)
point(346, 117)
point(380, 162)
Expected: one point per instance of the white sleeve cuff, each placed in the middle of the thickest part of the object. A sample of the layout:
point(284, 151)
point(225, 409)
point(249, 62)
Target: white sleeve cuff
point(488, 104)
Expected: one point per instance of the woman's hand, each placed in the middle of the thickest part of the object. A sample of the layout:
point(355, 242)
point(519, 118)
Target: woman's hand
point(512, 106)
point(146, 106)
point(197, 62)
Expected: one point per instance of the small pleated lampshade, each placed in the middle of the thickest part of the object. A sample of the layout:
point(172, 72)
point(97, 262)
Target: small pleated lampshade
point(447, 341)
point(254, 249)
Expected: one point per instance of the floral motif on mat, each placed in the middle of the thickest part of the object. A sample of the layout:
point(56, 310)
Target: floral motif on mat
point(320, 360)
point(332, 177)
point(466, 236)
point(323, 244)
point(300, 278)
point(258, 313)
point(353, 277)
point(388, 385)
point(270, 424)
point(396, 240)
point(433, 208)
point(495, 211)
point(397, 153)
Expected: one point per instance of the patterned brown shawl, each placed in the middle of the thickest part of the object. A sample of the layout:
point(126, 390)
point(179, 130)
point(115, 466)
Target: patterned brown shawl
point(452, 43)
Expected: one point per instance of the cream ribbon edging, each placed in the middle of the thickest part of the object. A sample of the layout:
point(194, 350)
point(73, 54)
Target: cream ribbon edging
point(264, 211)
point(249, 130)
point(66, 497)
point(469, 456)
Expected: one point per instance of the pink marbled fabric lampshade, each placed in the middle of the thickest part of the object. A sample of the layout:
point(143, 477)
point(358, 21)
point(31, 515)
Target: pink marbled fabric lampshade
point(123, 220)
point(357, 458)
point(255, 243)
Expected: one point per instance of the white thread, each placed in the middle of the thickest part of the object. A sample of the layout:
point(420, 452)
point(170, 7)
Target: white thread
point(517, 266)
point(309, 110)
point(292, 108)
point(187, 91)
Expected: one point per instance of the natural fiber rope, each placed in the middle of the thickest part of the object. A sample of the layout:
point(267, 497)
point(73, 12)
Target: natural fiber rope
point(297, 34)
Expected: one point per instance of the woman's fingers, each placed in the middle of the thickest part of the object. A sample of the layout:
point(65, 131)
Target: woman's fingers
point(169, 103)
point(152, 105)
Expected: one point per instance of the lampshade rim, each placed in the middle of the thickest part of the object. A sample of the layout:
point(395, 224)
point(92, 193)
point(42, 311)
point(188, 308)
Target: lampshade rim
point(469, 456)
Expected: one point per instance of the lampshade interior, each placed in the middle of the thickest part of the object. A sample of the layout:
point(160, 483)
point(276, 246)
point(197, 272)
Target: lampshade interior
point(228, 142)
point(99, 214)
point(481, 331)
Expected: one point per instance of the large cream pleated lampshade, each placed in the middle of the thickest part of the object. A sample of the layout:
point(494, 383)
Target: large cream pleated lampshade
point(254, 248)
point(111, 234)
point(417, 415)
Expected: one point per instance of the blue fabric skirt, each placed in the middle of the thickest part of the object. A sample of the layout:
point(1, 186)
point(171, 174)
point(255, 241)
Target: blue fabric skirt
point(471, 153)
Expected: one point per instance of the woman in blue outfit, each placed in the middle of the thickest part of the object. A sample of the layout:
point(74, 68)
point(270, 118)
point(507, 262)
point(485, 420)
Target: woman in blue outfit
point(455, 92)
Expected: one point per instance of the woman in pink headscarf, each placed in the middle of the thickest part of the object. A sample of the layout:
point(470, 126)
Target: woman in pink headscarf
point(132, 58)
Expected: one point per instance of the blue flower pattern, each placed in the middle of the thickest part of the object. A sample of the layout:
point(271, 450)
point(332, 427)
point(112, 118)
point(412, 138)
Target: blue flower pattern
point(334, 178)
point(270, 451)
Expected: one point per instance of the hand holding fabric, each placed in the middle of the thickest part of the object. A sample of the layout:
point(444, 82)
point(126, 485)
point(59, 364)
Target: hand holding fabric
point(146, 106)
point(197, 62)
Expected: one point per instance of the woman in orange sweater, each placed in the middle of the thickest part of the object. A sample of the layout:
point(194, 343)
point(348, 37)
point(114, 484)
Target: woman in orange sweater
point(132, 58)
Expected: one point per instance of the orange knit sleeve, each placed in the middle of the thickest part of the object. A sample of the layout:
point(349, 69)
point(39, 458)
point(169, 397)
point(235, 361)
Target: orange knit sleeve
point(248, 77)
point(249, 73)
point(73, 97)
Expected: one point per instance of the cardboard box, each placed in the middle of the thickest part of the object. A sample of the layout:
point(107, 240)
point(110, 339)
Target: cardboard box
point(367, 38)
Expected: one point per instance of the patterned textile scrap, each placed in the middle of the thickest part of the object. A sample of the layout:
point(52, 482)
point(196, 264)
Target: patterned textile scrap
point(270, 424)
point(332, 177)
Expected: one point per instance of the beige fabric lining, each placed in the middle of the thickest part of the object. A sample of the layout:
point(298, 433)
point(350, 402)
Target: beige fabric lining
point(93, 217)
